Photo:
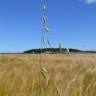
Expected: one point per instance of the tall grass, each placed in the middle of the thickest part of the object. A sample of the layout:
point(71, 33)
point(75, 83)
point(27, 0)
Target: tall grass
point(74, 74)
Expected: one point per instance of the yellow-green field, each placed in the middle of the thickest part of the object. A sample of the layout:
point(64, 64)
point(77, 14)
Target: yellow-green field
point(69, 75)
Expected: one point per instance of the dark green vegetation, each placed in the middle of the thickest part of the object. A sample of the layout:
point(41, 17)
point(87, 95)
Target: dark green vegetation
point(51, 50)
point(56, 50)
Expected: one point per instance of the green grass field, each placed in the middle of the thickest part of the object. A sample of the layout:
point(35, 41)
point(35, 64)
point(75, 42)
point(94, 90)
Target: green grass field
point(73, 75)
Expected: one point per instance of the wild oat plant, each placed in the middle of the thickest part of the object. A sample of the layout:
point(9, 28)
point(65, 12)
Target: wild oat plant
point(43, 71)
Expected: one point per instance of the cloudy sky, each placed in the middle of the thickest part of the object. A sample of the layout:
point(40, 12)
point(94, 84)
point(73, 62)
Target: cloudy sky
point(90, 1)
point(71, 22)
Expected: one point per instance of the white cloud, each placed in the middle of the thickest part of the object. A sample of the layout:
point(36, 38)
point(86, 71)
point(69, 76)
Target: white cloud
point(90, 1)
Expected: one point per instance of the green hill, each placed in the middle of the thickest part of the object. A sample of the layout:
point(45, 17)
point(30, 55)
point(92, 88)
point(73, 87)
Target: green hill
point(51, 50)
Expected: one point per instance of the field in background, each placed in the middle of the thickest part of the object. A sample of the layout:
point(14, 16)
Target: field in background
point(74, 75)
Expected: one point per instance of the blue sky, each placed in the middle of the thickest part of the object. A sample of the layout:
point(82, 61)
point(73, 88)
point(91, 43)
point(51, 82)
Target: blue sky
point(71, 22)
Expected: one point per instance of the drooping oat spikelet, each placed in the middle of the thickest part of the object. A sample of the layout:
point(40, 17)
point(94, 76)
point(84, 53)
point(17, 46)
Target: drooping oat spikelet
point(46, 29)
point(43, 40)
point(44, 72)
point(58, 92)
point(49, 44)
point(44, 19)
point(44, 8)
point(45, 26)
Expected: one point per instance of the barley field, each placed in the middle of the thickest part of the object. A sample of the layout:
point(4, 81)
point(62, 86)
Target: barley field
point(67, 75)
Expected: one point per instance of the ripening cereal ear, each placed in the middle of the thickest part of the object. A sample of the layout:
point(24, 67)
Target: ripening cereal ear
point(44, 8)
point(43, 40)
point(43, 72)
point(46, 29)
point(44, 19)
point(49, 44)
point(58, 91)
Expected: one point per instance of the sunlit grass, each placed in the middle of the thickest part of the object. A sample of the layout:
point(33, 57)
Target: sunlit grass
point(75, 75)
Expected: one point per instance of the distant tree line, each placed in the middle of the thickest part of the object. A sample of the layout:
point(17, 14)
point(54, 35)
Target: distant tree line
point(51, 50)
